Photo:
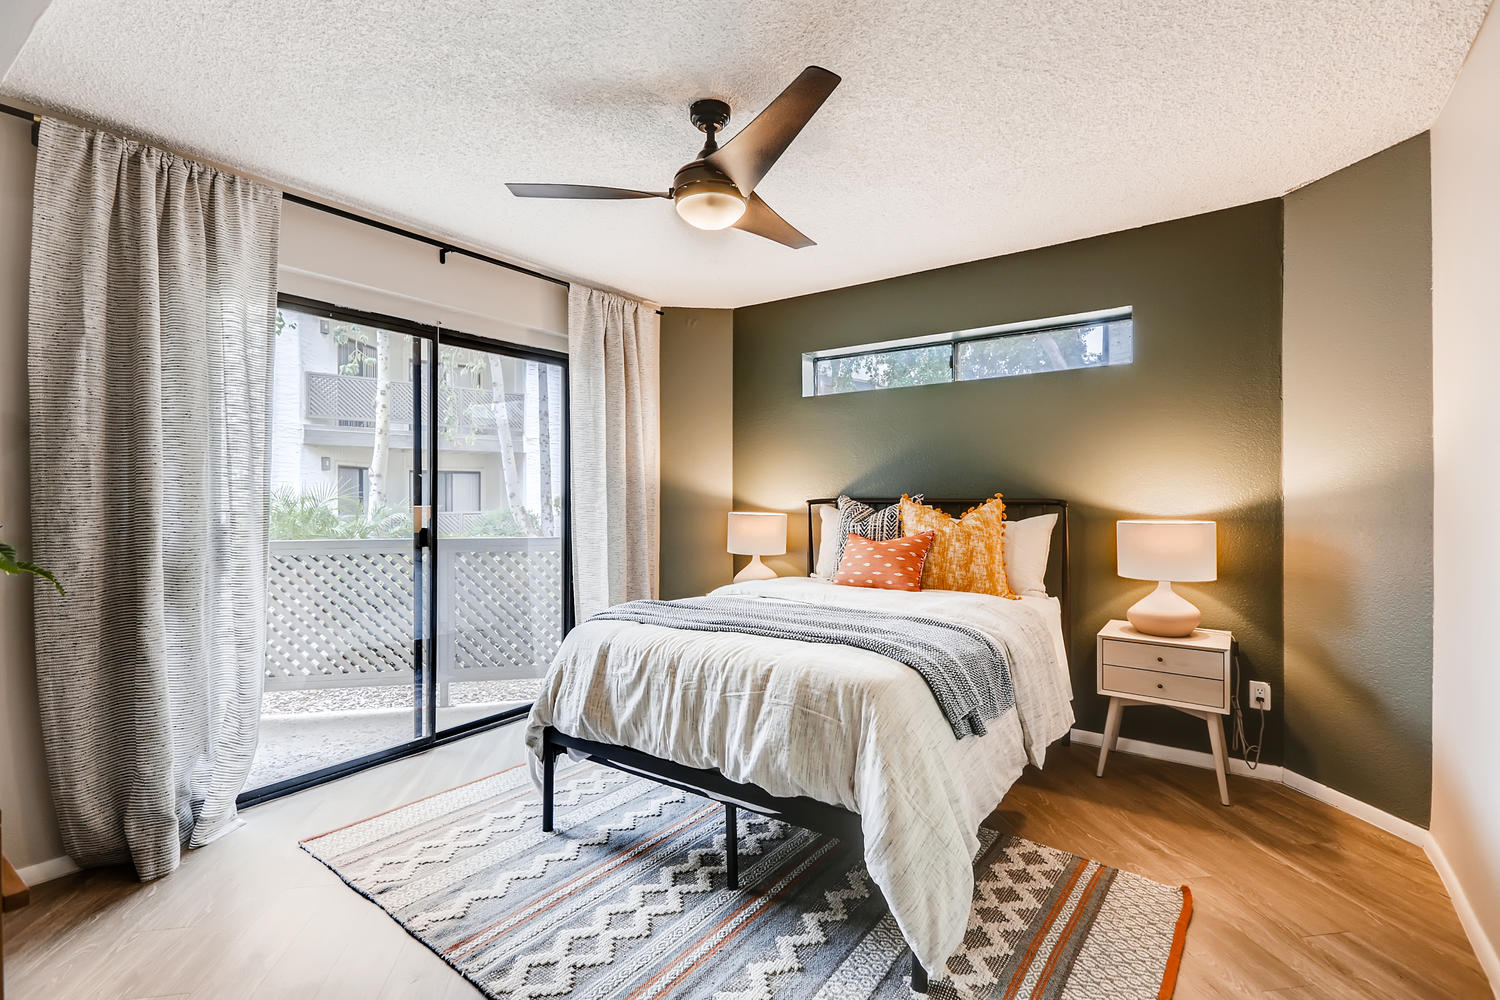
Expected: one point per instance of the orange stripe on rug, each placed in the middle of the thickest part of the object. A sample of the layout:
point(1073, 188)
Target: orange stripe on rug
point(1179, 940)
point(1041, 935)
point(1059, 946)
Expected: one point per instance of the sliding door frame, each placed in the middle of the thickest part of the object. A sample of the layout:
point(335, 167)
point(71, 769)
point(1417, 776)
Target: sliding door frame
point(425, 681)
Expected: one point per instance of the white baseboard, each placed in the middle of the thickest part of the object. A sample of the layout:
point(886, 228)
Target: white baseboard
point(46, 871)
point(1177, 755)
point(1407, 831)
point(1484, 948)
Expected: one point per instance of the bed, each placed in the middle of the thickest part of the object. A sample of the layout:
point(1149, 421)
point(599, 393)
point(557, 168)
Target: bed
point(833, 738)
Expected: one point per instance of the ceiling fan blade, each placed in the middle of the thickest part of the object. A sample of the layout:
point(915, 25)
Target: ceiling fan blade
point(580, 191)
point(760, 219)
point(755, 148)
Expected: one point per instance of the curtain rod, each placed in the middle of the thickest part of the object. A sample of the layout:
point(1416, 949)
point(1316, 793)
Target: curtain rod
point(443, 249)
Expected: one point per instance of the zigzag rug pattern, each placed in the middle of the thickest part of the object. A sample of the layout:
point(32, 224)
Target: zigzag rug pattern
point(627, 901)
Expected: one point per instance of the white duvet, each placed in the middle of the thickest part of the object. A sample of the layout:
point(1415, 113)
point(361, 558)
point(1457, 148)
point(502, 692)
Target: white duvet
point(839, 724)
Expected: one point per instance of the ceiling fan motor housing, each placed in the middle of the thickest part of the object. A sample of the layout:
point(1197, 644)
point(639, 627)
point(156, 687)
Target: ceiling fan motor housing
point(700, 176)
point(706, 197)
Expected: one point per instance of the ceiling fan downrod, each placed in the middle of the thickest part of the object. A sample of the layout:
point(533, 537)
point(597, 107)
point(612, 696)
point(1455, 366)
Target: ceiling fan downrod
point(710, 116)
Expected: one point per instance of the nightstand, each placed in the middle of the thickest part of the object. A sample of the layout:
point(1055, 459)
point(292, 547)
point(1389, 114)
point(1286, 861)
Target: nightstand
point(1191, 674)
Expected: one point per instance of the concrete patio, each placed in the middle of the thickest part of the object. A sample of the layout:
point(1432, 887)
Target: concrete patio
point(303, 731)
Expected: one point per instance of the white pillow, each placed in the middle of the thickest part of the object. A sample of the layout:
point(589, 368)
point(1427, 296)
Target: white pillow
point(1028, 542)
point(826, 529)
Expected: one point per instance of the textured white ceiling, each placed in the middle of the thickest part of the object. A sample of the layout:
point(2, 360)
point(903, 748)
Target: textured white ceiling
point(962, 130)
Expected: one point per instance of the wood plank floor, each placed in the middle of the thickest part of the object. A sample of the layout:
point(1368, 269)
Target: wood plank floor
point(1292, 899)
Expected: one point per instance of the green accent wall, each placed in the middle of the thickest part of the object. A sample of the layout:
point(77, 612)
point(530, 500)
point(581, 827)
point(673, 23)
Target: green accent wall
point(697, 418)
point(1357, 473)
point(1191, 428)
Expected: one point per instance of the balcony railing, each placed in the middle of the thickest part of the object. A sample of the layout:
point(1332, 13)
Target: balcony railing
point(349, 400)
point(340, 613)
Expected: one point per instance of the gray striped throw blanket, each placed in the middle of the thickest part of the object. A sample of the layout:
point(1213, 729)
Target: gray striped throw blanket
point(966, 670)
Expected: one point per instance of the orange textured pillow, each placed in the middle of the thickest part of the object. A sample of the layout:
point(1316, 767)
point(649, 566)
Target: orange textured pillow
point(892, 565)
point(968, 553)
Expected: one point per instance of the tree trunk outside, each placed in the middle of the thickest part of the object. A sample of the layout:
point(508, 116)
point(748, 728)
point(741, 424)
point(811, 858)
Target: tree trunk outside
point(544, 448)
point(513, 498)
point(380, 455)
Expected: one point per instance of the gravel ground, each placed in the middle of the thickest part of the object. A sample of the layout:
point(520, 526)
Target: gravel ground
point(301, 731)
point(374, 696)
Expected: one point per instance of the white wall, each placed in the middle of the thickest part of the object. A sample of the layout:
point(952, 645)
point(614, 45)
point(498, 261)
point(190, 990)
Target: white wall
point(30, 825)
point(348, 264)
point(1466, 451)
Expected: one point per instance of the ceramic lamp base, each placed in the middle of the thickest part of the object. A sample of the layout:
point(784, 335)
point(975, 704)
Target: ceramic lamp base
point(1164, 612)
point(757, 570)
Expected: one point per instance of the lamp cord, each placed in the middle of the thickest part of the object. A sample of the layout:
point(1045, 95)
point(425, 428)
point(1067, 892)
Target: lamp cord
point(1249, 753)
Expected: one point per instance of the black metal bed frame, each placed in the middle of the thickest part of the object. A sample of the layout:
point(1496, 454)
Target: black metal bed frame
point(801, 810)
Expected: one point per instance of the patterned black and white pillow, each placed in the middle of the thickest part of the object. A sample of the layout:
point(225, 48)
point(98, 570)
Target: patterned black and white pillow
point(878, 525)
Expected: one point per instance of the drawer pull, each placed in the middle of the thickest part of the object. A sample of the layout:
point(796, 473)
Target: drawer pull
point(1158, 685)
point(1205, 663)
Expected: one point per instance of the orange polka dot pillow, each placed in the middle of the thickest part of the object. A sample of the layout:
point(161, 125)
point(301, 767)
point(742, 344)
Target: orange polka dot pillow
point(892, 565)
point(967, 553)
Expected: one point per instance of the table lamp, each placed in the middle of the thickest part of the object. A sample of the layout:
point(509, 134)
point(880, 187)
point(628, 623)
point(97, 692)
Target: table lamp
point(1168, 552)
point(756, 535)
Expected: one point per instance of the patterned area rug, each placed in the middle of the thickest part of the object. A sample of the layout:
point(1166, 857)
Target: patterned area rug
point(627, 901)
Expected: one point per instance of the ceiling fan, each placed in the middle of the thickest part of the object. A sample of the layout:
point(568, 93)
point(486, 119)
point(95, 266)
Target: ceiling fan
point(717, 190)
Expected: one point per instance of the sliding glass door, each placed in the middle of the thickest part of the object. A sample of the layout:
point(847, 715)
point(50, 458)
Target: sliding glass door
point(417, 577)
point(499, 511)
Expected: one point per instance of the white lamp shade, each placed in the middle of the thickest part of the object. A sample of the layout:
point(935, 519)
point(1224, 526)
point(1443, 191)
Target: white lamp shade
point(1175, 551)
point(757, 534)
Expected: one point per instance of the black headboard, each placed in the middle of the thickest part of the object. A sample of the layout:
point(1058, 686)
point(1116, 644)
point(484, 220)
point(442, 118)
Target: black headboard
point(1015, 509)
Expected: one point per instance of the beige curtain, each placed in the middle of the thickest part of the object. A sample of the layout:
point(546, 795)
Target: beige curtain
point(614, 447)
point(152, 312)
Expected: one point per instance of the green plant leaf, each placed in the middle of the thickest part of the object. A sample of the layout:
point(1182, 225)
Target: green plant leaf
point(13, 566)
point(35, 570)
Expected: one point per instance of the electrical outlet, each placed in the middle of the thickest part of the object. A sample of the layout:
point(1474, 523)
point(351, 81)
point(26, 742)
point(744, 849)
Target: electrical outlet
point(1260, 695)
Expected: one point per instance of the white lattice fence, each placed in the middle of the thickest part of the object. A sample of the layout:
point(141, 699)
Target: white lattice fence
point(341, 612)
point(499, 607)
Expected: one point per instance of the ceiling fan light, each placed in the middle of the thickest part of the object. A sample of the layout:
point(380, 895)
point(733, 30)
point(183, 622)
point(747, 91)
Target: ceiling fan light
point(709, 204)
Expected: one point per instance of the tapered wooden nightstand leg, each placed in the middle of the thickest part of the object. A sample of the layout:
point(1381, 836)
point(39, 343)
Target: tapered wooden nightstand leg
point(1111, 732)
point(1216, 740)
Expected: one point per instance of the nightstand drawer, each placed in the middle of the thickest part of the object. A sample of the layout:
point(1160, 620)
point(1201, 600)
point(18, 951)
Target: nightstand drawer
point(1167, 659)
point(1203, 691)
